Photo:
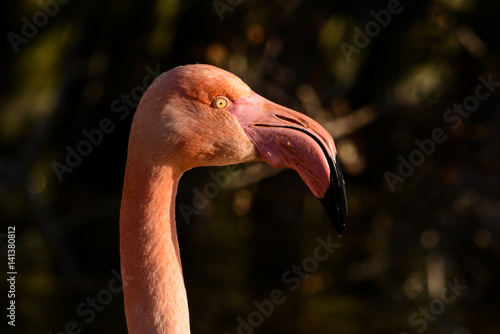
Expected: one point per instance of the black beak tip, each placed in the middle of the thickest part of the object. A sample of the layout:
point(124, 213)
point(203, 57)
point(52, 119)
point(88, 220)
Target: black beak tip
point(335, 199)
point(336, 212)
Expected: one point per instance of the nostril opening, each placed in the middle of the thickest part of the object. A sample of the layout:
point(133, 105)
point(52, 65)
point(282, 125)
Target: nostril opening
point(297, 121)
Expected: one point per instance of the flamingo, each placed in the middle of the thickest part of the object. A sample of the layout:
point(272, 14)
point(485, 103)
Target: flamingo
point(201, 115)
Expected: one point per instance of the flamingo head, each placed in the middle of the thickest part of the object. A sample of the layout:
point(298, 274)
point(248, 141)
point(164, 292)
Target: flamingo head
point(200, 115)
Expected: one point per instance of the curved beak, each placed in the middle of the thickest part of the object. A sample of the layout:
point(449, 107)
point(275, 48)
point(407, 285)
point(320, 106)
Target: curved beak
point(288, 139)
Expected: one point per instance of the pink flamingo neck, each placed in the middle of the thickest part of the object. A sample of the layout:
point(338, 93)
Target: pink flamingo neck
point(153, 285)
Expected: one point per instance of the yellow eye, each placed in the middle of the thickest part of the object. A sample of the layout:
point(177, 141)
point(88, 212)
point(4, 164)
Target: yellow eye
point(220, 102)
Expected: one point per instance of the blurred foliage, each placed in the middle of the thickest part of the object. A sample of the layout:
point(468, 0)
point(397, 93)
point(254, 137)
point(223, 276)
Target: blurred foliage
point(440, 224)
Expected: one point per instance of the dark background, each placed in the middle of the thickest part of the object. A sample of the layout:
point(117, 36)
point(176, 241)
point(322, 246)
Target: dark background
point(402, 243)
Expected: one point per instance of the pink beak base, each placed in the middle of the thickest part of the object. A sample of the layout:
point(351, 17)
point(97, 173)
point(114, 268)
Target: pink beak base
point(288, 139)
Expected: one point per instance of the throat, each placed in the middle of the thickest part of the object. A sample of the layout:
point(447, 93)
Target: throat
point(153, 285)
